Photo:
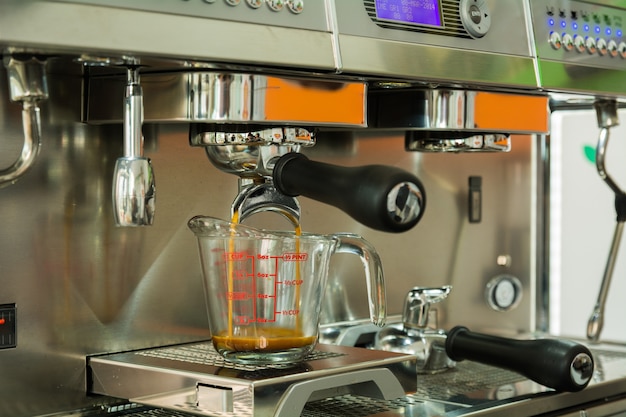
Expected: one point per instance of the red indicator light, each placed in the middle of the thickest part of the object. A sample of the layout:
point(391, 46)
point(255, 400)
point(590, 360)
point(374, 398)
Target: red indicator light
point(2, 321)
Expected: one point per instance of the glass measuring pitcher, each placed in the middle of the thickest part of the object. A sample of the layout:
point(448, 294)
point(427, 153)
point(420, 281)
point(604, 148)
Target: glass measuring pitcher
point(264, 289)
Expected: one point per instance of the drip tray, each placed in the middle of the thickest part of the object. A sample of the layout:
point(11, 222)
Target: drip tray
point(194, 378)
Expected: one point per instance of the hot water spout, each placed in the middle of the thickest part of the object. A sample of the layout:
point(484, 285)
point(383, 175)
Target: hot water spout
point(28, 85)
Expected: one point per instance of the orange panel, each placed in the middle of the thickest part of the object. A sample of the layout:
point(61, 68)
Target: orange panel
point(315, 102)
point(511, 112)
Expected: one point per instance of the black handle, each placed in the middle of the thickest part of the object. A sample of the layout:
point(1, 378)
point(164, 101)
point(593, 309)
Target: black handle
point(559, 364)
point(381, 197)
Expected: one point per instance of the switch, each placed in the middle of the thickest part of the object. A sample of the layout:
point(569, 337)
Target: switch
point(475, 200)
point(8, 328)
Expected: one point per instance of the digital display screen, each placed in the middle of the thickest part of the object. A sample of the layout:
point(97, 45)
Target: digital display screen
point(421, 12)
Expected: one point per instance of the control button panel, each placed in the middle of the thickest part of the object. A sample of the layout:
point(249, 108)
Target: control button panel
point(580, 32)
point(299, 14)
point(464, 19)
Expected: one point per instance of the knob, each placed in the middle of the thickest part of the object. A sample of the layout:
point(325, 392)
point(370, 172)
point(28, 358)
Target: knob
point(555, 40)
point(475, 16)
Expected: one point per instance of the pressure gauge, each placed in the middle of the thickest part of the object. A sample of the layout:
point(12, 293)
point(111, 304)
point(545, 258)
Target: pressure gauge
point(503, 292)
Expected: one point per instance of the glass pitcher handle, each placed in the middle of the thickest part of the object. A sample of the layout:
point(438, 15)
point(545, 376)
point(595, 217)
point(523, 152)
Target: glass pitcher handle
point(355, 244)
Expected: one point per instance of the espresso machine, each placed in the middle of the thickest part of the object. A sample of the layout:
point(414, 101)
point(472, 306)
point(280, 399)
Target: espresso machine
point(122, 120)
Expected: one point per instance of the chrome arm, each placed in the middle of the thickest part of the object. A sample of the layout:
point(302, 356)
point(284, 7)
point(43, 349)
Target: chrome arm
point(133, 180)
point(603, 141)
point(606, 111)
point(27, 84)
point(596, 321)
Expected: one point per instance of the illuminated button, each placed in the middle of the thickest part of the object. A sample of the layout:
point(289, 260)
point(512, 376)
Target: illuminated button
point(276, 5)
point(621, 49)
point(233, 2)
point(613, 48)
point(602, 46)
point(567, 41)
point(255, 4)
point(590, 44)
point(295, 6)
point(555, 40)
point(579, 43)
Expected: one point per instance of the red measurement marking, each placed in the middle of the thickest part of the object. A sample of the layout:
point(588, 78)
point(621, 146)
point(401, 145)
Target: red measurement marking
point(288, 312)
point(237, 295)
point(234, 256)
point(295, 256)
point(242, 320)
point(292, 282)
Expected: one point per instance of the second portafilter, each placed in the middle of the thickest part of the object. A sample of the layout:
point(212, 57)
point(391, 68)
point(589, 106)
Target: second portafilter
point(273, 173)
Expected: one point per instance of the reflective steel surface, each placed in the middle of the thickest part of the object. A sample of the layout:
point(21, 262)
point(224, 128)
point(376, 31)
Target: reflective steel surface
point(82, 286)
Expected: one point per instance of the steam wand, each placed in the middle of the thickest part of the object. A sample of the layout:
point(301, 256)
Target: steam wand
point(133, 180)
point(606, 111)
point(27, 84)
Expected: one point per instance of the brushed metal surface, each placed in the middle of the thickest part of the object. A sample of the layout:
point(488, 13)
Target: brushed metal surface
point(562, 70)
point(83, 286)
point(501, 58)
point(97, 29)
point(174, 377)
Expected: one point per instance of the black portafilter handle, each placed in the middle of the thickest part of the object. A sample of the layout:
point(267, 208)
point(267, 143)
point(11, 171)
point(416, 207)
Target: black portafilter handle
point(563, 365)
point(381, 197)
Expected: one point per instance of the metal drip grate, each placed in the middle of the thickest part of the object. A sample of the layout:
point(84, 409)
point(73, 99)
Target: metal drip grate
point(467, 386)
point(205, 354)
point(466, 378)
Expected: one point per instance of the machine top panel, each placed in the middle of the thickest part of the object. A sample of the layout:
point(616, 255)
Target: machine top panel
point(581, 46)
point(478, 42)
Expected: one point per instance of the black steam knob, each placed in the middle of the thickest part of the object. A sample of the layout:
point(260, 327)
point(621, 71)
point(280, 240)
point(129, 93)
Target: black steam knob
point(381, 197)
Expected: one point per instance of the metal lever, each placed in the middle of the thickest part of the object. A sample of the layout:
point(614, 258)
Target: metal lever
point(559, 364)
point(381, 197)
point(133, 181)
point(606, 111)
point(28, 85)
point(415, 336)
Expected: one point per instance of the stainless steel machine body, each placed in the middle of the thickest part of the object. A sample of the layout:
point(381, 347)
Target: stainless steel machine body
point(76, 288)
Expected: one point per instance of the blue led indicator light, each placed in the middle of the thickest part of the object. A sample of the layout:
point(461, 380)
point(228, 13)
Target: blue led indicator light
point(586, 28)
point(597, 29)
point(618, 33)
point(563, 24)
point(608, 31)
point(551, 22)
point(575, 26)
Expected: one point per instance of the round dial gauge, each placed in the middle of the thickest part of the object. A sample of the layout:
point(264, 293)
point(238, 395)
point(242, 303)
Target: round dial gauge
point(503, 292)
